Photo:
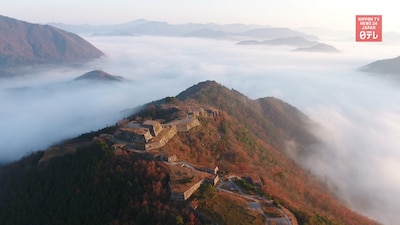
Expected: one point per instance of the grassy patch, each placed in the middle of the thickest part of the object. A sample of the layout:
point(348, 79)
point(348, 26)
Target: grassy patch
point(186, 180)
point(228, 209)
point(248, 188)
point(58, 151)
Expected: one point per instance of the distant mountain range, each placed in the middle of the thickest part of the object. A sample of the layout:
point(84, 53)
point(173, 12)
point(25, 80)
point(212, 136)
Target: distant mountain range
point(145, 27)
point(302, 43)
point(208, 33)
point(210, 30)
point(296, 41)
point(25, 44)
point(388, 66)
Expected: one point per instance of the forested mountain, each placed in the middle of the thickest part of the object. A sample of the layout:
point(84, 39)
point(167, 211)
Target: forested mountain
point(93, 180)
point(89, 187)
point(26, 44)
point(270, 118)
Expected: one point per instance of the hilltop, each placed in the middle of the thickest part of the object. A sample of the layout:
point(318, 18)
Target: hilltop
point(99, 75)
point(164, 164)
point(27, 44)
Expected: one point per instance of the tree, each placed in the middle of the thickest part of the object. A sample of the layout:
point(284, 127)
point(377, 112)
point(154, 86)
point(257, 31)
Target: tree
point(276, 203)
point(179, 220)
point(207, 191)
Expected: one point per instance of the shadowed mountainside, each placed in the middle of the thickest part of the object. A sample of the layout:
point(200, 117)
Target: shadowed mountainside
point(24, 44)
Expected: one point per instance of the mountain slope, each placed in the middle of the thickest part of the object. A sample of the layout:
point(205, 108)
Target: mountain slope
point(389, 66)
point(91, 179)
point(89, 187)
point(23, 43)
point(259, 115)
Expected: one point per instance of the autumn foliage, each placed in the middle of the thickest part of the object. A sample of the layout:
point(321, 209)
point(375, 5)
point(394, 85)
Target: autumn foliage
point(91, 187)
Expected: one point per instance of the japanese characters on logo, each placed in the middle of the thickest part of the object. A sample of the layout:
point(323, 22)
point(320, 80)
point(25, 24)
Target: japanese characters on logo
point(369, 28)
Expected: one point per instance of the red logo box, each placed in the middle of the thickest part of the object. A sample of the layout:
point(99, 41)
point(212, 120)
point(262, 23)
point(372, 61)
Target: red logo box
point(369, 28)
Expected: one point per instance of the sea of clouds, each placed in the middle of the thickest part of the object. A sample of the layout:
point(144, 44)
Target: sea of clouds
point(357, 114)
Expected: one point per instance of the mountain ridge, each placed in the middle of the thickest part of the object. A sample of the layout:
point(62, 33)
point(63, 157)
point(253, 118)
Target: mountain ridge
point(208, 30)
point(258, 108)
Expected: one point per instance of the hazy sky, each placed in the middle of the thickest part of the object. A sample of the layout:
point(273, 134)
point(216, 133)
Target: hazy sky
point(339, 14)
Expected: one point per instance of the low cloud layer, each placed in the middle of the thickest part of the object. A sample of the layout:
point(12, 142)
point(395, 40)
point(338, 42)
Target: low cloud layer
point(359, 157)
point(357, 114)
